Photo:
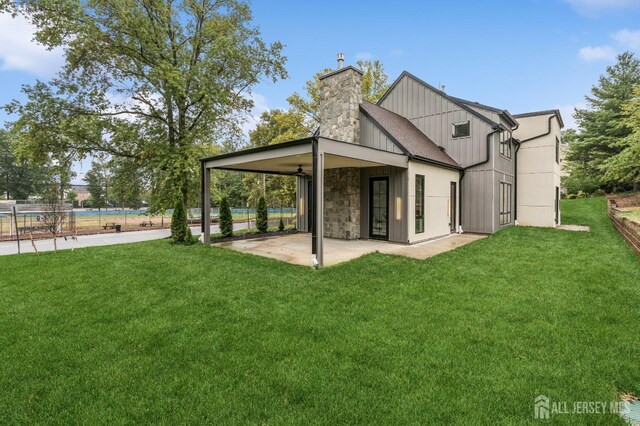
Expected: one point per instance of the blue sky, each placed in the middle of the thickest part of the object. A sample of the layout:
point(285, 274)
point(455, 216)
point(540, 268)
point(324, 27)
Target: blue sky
point(520, 55)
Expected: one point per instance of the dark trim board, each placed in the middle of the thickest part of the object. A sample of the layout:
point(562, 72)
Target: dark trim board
point(260, 149)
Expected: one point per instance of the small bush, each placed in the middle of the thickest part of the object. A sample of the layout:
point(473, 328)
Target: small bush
point(571, 197)
point(281, 225)
point(262, 217)
point(179, 228)
point(226, 220)
point(190, 239)
point(599, 193)
point(581, 195)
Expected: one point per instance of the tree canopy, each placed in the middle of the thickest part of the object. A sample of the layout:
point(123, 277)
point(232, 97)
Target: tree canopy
point(20, 178)
point(158, 82)
point(600, 148)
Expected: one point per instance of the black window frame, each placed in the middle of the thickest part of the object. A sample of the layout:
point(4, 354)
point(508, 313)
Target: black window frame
point(505, 201)
point(505, 143)
point(557, 150)
point(455, 126)
point(419, 215)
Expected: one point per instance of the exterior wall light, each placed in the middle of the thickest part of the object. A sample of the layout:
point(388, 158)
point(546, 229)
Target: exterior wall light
point(398, 208)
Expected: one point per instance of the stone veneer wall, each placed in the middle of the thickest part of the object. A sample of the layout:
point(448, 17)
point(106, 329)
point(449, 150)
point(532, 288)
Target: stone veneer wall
point(340, 98)
point(342, 203)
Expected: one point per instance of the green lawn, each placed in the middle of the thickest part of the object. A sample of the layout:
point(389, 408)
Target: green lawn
point(155, 333)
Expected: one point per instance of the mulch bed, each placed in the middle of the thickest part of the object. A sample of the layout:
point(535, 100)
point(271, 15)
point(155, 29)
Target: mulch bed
point(252, 236)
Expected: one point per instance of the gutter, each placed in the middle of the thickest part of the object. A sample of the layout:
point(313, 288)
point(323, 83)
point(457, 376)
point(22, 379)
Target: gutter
point(434, 162)
point(544, 134)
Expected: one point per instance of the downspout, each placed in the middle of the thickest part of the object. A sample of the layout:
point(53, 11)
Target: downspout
point(496, 129)
point(515, 181)
point(515, 175)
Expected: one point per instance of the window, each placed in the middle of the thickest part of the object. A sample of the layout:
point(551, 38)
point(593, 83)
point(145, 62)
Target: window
point(505, 203)
point(461, 130)
point(505, 144)
point(557, 150)
point(419, 204)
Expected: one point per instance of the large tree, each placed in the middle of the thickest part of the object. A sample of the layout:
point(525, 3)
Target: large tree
point(20, 178)
point(152, 81)
point(127, 182)
point(603, 126)
point(98, 180)
point(624, 167)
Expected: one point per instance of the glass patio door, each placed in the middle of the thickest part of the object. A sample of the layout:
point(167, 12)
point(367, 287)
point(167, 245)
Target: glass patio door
point(379, 208)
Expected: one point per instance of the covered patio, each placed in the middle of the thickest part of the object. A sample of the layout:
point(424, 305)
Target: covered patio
point(294, 248)
point(308, 159)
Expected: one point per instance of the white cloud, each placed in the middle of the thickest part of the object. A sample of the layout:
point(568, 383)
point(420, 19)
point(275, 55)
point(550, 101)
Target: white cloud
point(567, 112)
point(628, 39)
point(18, 51)
point(597, 53)
point(260, 105)
point(594, 7)
point(363, 56)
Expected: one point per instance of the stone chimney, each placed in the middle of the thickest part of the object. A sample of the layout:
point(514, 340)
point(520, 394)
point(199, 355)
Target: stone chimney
point(340, 98)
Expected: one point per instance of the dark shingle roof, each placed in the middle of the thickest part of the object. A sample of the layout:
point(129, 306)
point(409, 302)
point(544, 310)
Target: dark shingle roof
point(407, 136)
point(545, 112)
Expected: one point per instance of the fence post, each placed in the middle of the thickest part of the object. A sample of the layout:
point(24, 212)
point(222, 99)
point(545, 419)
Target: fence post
point(15, 220)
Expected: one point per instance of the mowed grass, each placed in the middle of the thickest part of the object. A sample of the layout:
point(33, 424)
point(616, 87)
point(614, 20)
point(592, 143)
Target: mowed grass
point(155, 333)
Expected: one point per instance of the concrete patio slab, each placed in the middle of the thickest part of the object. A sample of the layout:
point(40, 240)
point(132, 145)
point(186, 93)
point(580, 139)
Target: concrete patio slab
point(296, 248)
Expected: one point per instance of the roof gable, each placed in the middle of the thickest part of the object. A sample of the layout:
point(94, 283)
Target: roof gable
point(406, 136)
point(455, 101)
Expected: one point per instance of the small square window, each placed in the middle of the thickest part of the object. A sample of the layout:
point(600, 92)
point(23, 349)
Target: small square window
point(461, 130)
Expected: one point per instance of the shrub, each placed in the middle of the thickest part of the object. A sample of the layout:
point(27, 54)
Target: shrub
point(179, 228)
point(281, 225)
point(599, 192)
point(226, 220)
point(581, 195)
point(571, 196)
point(190, 239)
point(262, 218)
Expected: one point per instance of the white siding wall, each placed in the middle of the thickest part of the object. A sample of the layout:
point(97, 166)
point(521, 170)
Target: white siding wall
point(538, 172)
point(437, 182)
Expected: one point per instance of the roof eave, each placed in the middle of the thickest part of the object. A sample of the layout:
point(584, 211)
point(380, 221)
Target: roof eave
point(259, 149)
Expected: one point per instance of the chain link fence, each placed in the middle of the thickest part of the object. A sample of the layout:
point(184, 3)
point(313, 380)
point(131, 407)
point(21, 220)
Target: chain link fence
point(30, 219)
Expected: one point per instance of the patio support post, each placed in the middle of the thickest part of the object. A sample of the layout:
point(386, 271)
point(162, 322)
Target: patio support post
point(206, 204)
point(317, 228)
